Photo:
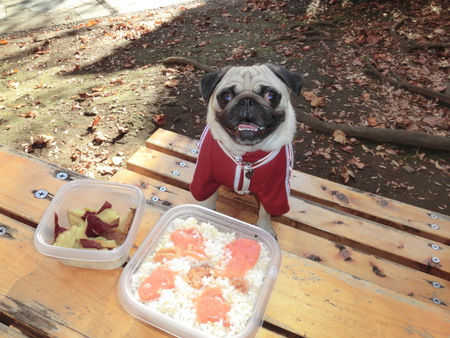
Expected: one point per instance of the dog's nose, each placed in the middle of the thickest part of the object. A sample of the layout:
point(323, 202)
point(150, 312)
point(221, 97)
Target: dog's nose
point(247, 107)
point(246, 102)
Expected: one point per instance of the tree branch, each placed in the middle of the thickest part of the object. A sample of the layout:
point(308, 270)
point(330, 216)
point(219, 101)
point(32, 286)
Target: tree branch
point(378, 134)
point(402, 84)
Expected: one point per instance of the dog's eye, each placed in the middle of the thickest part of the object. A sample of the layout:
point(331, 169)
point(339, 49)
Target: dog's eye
point(225, 98)
point(270, 96)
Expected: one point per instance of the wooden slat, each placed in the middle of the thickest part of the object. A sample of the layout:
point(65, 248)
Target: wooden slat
point(403, 216)
point(10, 332)
point(23, 175)
point(409, 282)
point(416, 220)
point(372, 237)
point(328, 303)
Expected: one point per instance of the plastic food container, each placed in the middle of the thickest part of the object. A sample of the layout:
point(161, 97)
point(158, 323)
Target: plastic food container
point(80, 194)
point(224, 224)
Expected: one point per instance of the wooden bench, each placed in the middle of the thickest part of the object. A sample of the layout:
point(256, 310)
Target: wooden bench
point(354, 264)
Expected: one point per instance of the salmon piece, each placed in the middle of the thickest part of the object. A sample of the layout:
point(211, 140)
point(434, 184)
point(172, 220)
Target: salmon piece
point(195, 275)
point(240, 284)
point(161, 278)
point(190, 241)
point(212, 307)
point(244, 255)
point(167, 254)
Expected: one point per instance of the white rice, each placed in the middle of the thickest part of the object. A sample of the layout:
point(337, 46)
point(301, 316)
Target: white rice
point(179, 302)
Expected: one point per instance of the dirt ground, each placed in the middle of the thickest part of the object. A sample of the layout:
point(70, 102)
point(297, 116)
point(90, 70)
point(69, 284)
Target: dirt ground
point(87, 97)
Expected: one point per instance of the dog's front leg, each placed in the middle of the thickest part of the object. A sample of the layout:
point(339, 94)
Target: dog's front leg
point(264, 221)
point(210, 202)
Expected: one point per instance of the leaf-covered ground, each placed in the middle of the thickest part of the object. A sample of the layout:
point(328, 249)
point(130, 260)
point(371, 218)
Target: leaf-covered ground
point(88, 97)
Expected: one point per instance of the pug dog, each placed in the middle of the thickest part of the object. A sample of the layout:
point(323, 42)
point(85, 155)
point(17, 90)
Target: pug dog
point(247, 143)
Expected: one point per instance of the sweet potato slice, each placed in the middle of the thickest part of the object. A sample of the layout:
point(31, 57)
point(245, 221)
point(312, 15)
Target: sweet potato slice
point(97, 243)
point(96, 226)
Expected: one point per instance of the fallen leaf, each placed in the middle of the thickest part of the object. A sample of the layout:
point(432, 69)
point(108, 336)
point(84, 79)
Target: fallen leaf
point(41, 85)
point(373, 39)
point(91, 23)
point(314, 100)
point(98, 89)
point(39, 141)
point(14, 85)
point(367, 150)
point(18, 106)
point(118, 81)
point(339, 137)
point(3, 42)
point(172, 83)
point(348, 149)
point(116, 160)
point(84, 95)
point(372, 121)
point(10, 72)
point(346, 174)
point(159, 119)
point(32, 114)
point(95, 121)
point(318, 102)
point(106, 169)
point(391, 151)
point(100, 137)
point(324, 152)
point(356, 162)
point(122, 130)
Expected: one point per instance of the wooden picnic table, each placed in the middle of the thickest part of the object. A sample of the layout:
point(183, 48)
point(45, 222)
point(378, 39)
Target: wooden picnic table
point(354, 264)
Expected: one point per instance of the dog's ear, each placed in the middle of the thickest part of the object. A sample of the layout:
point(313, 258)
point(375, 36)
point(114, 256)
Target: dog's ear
point(209, 82)
point(293, 80)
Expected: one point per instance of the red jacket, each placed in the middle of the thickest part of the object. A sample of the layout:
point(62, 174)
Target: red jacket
point(270, 181)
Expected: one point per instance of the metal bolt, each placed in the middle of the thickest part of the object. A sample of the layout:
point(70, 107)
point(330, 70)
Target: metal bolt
point(176, 173)
point(182, 164)
point(62, 176)
point(194, 151)
point(163, 189)
point(435, 246)
point(2, 230)
point(41, 194)
point(433, 216)
point(155, 199)
point(434, 226)
point(436, 260)
point(437, 301)
point(437, 285)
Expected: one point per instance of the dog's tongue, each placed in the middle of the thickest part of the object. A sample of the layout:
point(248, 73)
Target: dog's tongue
point(248, 126)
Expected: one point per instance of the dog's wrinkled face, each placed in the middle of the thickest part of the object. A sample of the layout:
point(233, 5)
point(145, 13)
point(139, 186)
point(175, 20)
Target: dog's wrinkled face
point(250, 104)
